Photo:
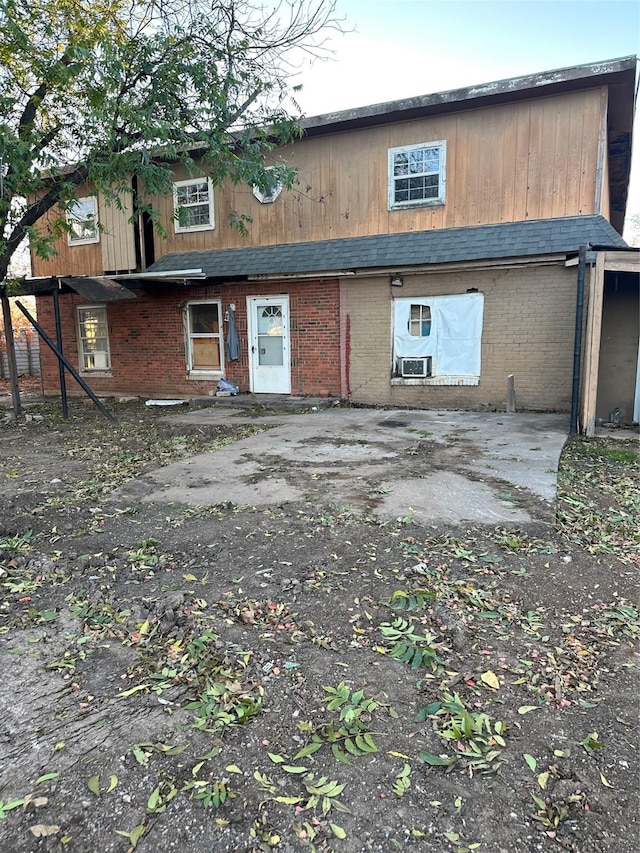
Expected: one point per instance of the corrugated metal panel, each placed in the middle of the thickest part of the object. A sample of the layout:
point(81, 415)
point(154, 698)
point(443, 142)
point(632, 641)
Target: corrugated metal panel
point(116, 236)
point(27, 355)
point(98, 289)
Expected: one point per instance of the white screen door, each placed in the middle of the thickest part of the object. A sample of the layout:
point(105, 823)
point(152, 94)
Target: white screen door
point(269, 344)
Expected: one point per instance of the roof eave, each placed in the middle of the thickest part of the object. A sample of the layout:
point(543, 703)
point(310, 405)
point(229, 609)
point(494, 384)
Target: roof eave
point(609, 73)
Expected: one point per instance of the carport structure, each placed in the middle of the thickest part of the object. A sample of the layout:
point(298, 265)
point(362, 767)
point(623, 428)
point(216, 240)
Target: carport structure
point(611, 364)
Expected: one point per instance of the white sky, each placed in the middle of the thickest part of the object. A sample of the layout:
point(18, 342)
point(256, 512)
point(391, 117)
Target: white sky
point(399, 48)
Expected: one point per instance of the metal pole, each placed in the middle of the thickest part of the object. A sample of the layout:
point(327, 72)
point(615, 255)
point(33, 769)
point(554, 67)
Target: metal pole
point(577, 346)
point(511, 393)
point(63, 381)
point(27, 340)
point(45, 337)
point(11, 354)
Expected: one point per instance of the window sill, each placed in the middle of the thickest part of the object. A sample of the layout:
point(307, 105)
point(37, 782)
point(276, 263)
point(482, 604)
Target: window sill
point(437, 380)
point(97, 374)
point(205, 374)
point(87, 241)
point(195, 229)
point(411, 205)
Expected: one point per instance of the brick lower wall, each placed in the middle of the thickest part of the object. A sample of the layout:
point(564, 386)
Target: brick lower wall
point(147, 340)
point(528, 330)
point(341, 339)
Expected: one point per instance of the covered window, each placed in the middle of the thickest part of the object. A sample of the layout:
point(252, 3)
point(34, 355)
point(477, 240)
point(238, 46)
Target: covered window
point(205, 339)
point(193, 205)
point(417, 175)
point(82, 219)
point(437, 339)
point(93, 338)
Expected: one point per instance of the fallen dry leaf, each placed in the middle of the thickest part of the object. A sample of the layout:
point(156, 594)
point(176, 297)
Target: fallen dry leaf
point(41, 830)
point(491, 679)
point(36, 802)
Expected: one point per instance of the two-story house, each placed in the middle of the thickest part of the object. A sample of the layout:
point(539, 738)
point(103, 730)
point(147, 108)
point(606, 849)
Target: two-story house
point(428, 250)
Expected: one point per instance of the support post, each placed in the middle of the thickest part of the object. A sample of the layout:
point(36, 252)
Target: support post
point(11, 354)
point(45, 337)
point(63, 381)
point(577, 344)
point(511, 394)
point(27, 341)
point(591, 365)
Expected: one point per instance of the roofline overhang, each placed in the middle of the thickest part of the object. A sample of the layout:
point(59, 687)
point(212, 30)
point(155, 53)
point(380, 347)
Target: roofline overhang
point(611, 72)
point(607, 73)
point(418, 269)
point(167, 275)
point(552, 259)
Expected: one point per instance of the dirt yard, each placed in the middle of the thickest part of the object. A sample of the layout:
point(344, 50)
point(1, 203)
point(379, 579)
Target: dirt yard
point(306, 677)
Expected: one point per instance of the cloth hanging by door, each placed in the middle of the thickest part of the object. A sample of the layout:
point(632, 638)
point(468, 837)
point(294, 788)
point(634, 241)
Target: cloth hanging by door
point(233, 343)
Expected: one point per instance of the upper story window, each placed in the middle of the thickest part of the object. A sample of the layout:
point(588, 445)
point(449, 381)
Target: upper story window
point(193, 205)
point(82, 218)
point(271, 191)
point(417, 175)
point(93, 338)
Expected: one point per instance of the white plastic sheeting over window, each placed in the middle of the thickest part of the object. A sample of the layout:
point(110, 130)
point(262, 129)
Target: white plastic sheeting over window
point(455, 337)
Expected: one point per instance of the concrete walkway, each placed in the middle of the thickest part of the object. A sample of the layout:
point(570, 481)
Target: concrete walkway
point(434, 466)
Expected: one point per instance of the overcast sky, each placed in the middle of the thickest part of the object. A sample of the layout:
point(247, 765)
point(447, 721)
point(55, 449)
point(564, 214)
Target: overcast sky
point(399, 48)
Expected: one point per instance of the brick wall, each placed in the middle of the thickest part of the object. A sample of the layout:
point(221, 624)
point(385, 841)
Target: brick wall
point(528, 330)
point(147, 341)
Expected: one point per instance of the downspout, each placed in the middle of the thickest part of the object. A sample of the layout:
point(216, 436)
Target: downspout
point(577, 345)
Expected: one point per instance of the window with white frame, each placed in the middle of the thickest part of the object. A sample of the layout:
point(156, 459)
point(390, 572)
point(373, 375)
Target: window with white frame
point(193, 205)
point(437, 340)
point(417, 175)
point(93, 337)
point(419, 325)
point(82, 219)
point(205, 339)
point(271, 190)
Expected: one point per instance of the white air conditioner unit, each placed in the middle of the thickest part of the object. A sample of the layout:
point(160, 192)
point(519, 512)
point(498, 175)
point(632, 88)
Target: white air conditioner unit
point(100, 360)
point(414, 368)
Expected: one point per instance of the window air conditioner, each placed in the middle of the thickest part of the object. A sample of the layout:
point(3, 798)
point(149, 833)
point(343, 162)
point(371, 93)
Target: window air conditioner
point(415, 368)
point(100, 360)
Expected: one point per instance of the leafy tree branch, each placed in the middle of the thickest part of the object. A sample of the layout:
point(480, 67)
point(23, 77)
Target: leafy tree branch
point(132, 88)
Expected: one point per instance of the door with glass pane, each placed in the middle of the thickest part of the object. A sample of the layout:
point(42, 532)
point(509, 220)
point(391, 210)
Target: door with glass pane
point(269, 344)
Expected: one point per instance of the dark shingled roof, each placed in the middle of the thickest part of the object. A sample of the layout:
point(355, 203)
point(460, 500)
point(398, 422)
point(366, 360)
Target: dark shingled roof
point(417, 248)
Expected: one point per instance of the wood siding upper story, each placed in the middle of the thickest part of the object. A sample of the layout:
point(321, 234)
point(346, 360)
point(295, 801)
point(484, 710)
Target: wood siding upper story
point(532, 159)
point(114, 251)
point(117, 244)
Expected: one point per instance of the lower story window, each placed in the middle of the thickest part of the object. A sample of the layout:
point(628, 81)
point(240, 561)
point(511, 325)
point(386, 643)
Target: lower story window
point(437, 340)
point(204, 333)
point(93, 338)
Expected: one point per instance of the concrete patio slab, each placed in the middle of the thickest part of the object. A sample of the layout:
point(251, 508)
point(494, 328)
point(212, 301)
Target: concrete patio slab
point(431, 466)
